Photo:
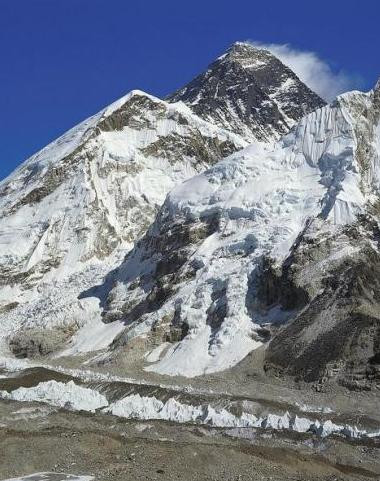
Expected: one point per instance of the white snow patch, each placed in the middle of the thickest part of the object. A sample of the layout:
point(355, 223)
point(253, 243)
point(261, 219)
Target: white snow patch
point(314, 409)
point(179, 358)
point(155, 354)
point(67, 395)
point(143, 407)
point(46, 476)
point(93, 336)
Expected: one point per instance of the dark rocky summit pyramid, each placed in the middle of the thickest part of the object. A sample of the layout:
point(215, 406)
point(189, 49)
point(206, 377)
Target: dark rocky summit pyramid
point(250, 92)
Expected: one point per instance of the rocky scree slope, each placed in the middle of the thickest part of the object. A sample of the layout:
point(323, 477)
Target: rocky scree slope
point(71, 211)
point(276, 245)
point(251, 92)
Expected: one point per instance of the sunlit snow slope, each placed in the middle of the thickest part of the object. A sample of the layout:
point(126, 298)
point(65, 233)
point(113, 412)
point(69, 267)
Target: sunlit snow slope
point(72, 210)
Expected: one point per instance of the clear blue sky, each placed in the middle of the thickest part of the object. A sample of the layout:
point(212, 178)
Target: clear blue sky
point(63, 60)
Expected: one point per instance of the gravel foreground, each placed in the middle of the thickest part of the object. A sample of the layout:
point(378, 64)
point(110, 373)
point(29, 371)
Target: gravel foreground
point(42, 438)
point(35, 439)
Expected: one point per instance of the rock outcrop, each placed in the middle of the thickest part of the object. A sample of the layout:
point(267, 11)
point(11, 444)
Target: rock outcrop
point(250, 92)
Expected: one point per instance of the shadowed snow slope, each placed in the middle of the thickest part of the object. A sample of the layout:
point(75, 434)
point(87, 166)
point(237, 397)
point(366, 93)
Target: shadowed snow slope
point(198, 277)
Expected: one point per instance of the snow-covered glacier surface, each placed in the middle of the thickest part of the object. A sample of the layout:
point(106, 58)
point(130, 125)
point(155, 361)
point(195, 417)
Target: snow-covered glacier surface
point(71, 396)
point(250, 206)
point(68, 395)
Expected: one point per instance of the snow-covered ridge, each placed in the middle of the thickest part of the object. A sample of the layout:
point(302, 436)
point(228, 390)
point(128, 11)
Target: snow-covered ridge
point(322, 146)
point(70, 140)
point(250, 206)
point(70, 213)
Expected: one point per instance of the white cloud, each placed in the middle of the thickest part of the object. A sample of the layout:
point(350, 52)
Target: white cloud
point(312, 70)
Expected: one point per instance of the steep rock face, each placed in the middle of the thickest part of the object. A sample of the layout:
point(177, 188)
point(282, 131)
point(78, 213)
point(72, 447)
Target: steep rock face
point(202, 268)
point(249, 91)
point(336, 332)
point(69, 213)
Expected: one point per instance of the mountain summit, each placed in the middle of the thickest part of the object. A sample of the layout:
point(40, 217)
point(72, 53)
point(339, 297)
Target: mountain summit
point(70, 213)
point(250, 92)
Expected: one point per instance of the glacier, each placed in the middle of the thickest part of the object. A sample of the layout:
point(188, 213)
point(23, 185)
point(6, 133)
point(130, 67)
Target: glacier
point(71, 396)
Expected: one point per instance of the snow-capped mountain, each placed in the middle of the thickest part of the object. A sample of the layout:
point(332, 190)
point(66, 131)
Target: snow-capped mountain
point(72, 210)
point(250, 92)
point(277, 243)
point(70, 213)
